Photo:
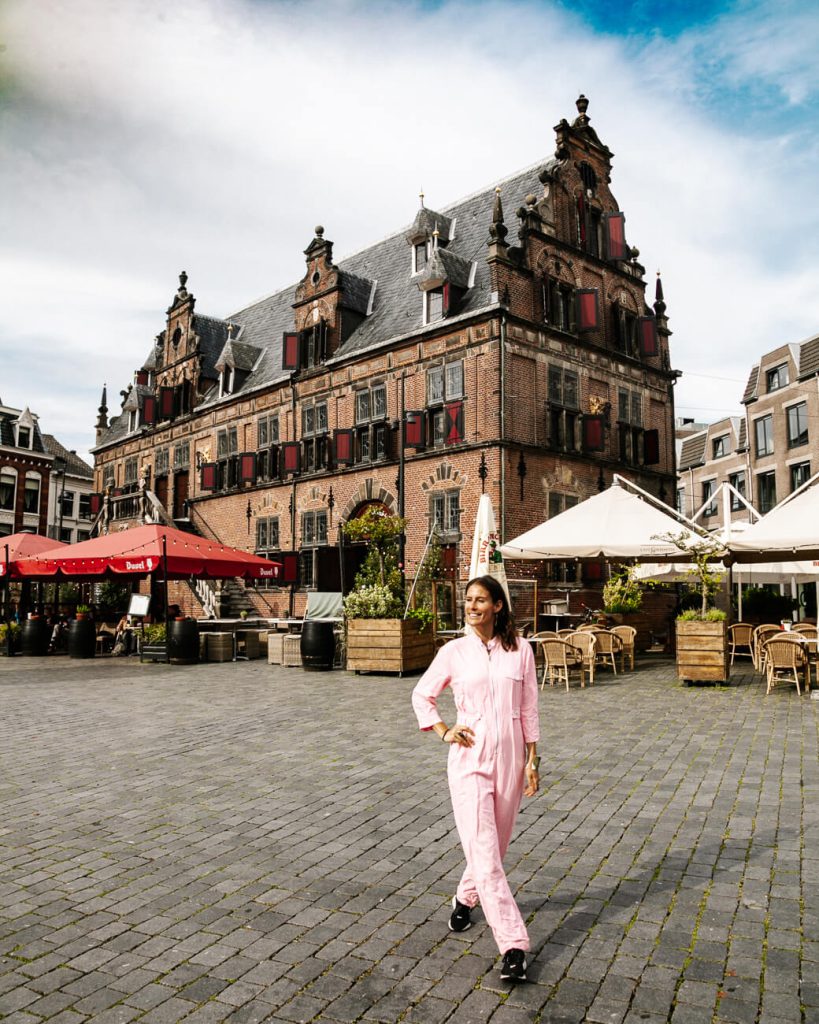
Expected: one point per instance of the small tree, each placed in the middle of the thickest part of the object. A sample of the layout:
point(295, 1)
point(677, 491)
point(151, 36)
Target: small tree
point(702, 551)
point(622, 592)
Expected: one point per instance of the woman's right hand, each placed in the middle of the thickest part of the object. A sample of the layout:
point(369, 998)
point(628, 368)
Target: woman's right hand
point(462, 735)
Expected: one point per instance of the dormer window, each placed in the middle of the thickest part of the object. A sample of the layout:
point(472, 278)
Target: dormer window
point(777, 377)
point(226, 381)
point(132, 421)
point(420, 256)
point(24, 437)
point(433, 305)
point(720, 446)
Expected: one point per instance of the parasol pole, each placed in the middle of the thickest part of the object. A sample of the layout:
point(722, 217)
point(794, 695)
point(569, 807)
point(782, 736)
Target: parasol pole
point(7, 603)
point(165, 595)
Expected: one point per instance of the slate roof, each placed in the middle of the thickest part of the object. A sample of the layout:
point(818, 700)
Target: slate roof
point(376, 281)
point(397, 304)
point(692, 452)
point(7, 436)
point(75, 466)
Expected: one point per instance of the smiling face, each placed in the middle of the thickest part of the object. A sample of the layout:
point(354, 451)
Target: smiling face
point(481, 610)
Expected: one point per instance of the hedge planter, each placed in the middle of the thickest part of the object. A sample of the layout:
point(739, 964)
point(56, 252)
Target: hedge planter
point(388, 645)
point(702, 651)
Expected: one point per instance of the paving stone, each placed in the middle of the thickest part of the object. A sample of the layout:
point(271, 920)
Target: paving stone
point(196, 874)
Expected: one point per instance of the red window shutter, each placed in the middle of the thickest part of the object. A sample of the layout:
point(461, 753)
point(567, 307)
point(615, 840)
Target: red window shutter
point(651, 447)
point(289, 574)
point(616, 236)
point(593, 437)
point(290, 351)
point(588, 317)
point(291, 456)
point(454, 428)
point(592, 571)
point(247, 468)
point(147, 414)
point(648, 336)
point(166, 396)
point(414, 430)
point(95, 504)
point(142, 377)
point(117, 492)
point(207, 478)
point(344, 447)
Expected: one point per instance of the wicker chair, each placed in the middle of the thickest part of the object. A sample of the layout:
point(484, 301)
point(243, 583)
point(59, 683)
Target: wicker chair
point(627, 635)
point(608, 644)
point(761, 634)
point(784, 657)
point(585, 642)
point(806, 629)
point(559, 658)
point(741, 634)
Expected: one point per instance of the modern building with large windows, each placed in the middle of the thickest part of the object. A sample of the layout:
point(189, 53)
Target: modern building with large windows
point(769, 452)
point(501, 344)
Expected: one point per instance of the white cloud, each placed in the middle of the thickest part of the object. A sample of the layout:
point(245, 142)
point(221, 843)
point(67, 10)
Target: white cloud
point(142, 137)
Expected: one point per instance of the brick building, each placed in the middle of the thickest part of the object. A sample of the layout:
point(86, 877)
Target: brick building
point(447, 359)
point(42, 485)
point(770, 451)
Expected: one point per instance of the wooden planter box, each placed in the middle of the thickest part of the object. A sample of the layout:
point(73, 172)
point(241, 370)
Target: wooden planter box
point(702, 651)
point(388, 645)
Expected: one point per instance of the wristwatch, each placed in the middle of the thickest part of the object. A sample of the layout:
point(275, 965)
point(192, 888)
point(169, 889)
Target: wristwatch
point(534, 764)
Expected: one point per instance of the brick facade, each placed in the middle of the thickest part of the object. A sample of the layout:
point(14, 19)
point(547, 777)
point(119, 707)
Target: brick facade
point(546, 373)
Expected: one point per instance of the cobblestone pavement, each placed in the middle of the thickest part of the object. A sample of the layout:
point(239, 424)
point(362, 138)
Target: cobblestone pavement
point(249, 843)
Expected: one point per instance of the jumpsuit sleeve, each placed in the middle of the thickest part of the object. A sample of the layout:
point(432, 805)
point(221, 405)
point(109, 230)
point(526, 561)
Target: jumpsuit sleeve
point(529, 718)
point(431, 684)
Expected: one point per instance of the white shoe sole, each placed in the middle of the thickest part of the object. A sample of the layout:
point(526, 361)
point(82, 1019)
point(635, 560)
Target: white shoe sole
point(449, 922)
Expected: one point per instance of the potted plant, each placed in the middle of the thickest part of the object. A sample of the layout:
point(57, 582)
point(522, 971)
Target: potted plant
point(702, 641)
point(9, 638)
point(380, 637)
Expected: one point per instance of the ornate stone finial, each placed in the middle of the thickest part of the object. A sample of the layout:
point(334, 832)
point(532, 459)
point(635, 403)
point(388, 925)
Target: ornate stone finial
point(102, 412)
point(582, 105)
point(183, 280)
point(436, 234)
point(230, 330)
point(497, 229)
point(659, 298)
point(421, 197)
point(319, 231)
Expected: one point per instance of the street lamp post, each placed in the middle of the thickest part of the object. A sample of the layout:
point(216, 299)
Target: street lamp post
point(60, 466)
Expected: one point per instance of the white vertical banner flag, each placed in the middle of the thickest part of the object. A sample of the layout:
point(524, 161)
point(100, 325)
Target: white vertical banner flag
point(487, 559)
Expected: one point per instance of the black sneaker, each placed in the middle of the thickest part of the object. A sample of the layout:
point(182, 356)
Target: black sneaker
point(513, 965)
point(459, 919)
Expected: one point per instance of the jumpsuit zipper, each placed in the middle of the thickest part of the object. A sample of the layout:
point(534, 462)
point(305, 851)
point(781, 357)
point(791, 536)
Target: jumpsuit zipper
point(494, 702)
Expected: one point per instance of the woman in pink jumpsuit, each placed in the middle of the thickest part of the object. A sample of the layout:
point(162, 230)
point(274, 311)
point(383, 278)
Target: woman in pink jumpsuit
point(492, 748)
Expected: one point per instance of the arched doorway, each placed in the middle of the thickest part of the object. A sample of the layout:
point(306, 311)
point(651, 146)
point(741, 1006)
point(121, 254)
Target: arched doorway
point(353, 554)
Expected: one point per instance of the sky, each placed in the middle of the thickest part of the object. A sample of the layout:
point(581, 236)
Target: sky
point(139, 138)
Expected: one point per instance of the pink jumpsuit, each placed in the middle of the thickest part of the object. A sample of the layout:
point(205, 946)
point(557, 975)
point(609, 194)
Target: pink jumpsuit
point(496, 695)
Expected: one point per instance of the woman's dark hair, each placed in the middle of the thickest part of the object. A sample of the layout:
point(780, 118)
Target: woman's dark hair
point(504, 623)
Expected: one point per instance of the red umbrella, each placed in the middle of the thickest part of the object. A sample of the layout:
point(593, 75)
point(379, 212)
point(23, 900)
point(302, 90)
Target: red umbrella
point(148, 549)
point(22, 545)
